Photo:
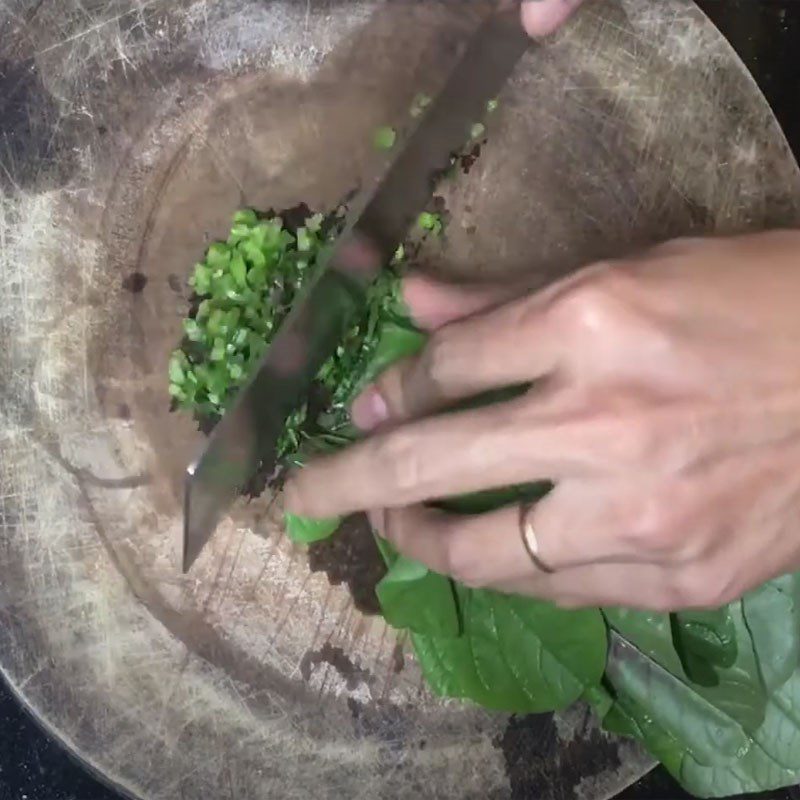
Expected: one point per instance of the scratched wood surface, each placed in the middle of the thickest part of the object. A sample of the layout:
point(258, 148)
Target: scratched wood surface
point(129, 132)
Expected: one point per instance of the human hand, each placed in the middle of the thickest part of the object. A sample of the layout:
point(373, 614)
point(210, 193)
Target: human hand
point(541, 17)
point(666, 408)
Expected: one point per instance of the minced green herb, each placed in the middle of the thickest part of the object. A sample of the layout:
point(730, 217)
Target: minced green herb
point(385, 138)
point(430, 221)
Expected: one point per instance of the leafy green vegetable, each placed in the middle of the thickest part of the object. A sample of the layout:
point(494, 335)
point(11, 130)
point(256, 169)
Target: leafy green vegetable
point(704, 640)
point(675, 705)
point(516, 654)
point(771, 759)
point(385, 138)
point(413, 597)
point(736, 699)
point(772, 616)
point(303, 530)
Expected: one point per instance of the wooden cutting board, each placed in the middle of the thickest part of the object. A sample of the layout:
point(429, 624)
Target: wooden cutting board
point(129, 133)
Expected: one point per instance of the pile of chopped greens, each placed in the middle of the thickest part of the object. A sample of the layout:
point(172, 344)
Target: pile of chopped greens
point(714, 695)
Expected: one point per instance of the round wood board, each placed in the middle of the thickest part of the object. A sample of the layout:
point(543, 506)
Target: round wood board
point(130, 131)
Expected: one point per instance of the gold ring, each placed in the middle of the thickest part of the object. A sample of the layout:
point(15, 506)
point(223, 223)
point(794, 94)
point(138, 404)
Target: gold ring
point(529, 540)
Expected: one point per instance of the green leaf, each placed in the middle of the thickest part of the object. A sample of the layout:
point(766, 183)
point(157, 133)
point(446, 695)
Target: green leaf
point(304, 530)
point(599, 698)
point(704, 640)
point(413, 597)
point(712, 721)
point(771, 759)
point(516, 654)
point(772, 615)
point(384, 138)
point(626, 718)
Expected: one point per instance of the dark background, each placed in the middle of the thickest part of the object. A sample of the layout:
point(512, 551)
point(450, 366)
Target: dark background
point(766, 33)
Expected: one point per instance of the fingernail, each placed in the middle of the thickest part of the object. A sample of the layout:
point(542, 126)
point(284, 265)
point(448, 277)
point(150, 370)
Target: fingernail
point(369, 410)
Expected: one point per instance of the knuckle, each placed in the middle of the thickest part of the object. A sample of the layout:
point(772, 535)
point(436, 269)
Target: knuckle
point(650, 437)
point(399, 456)
point(440, 362)
point(653, 529)
point(633, 439)
point(592, 305)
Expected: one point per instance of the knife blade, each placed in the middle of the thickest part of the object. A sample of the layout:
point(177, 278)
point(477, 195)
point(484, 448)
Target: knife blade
point(247, 435)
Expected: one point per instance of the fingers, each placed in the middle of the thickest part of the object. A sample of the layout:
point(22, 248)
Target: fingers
point(474, 550)
point(486, 551)
point(495, 446)
point(579, 523)
point(542, 17)
point(434, 304)
point(649, 587)
point(510, 345)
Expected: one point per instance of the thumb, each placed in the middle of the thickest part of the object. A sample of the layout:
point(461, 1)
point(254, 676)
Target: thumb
point(541, 17)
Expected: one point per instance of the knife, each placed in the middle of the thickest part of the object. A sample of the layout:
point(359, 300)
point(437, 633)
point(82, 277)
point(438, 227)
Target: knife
point(246, 437)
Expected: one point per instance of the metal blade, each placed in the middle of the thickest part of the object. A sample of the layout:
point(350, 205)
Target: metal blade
point(247, 435)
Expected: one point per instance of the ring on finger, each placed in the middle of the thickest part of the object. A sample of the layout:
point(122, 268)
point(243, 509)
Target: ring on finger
point(529, 538)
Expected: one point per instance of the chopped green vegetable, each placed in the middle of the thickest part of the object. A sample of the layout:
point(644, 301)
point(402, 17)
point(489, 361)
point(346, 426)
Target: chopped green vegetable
point(429, 221)
point(492, 105)
point(477, 130)
point(385, 138)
